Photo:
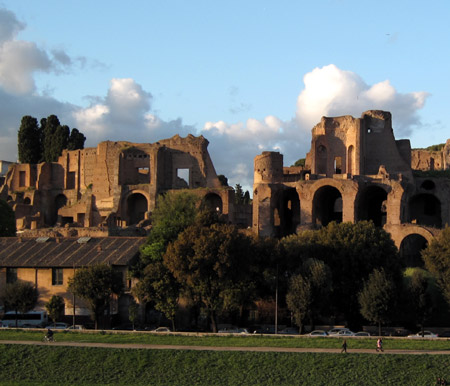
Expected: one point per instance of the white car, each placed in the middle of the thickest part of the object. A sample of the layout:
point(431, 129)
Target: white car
point(426, 334)
point(337, 331)
point(362, 333)
point(318, 333)
point(161, 329)
point(76, 327)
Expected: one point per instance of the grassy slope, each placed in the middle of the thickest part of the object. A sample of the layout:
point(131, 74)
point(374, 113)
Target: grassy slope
point(47, 365)
point(52, 365)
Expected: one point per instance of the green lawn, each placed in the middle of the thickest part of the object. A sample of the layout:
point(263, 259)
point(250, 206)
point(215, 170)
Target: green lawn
point(52, 365)
point(223, 340)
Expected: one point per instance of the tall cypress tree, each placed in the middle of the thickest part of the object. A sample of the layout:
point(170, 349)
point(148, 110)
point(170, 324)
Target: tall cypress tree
point(49, 126)
point(29, 140)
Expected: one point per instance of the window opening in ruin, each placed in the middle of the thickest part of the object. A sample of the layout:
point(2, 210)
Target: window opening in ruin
point(183, 178)
point(213, 201)
point(350, 160)
point(11, 275)
point(70, 183)
point(321, 160)
point(338, 165)
point(371, 205)
point(410, 250)
point(27, 201)
point(57, 276)
point(327, 205)
point(143, 170)
point(21, 179)
point(425, 209)
point(287, 213)
point(80, 218)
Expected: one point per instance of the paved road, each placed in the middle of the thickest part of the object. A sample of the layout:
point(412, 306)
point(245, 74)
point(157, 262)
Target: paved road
point(209, 348)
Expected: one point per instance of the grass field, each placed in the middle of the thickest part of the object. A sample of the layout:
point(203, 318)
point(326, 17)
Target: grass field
point(51, 365)
point(56, 365)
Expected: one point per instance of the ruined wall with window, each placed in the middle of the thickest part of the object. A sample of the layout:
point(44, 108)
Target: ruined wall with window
point(356, 170)
point(114, 185)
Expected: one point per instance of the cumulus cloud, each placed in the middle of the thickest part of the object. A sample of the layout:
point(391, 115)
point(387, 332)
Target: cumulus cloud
point(330, 91)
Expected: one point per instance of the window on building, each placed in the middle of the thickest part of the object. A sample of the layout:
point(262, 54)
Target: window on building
point(11, 275)
point(57, 276)
point(21, 179)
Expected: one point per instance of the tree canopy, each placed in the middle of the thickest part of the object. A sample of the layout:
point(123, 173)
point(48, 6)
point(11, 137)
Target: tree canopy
point(96, 284)
point(47, 141)
point(55, 307)
point(213, 263)
point(20, 297)
point(437, 260)
point(377, 298)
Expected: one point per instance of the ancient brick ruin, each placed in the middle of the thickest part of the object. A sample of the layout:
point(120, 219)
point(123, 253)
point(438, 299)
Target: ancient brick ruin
point(355, 171)
point(102, 190)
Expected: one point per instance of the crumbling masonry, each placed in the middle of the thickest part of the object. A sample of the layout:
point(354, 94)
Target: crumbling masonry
point(355, 171)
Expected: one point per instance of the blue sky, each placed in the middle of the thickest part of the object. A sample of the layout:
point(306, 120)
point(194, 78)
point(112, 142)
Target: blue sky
point(248, 75)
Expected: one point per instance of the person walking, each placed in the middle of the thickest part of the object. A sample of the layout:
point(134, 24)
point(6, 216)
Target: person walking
point(380, 345)
point(344, 347)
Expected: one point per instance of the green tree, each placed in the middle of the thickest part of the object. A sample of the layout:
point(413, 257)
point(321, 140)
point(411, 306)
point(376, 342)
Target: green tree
point(437, 261)
point(420, 298)
point(309, 292)
point(20, 297)
point(49, 126)
point(55, 307)
point(96, 284)
point(300, 162)
point(29, 140)
point(213, 263)
point(76, 140)
point(175, 211)
point(133, 312)
point(159, 287)
point(7, 220)
point(352, 252)
point(299, 299)
point(377, 298)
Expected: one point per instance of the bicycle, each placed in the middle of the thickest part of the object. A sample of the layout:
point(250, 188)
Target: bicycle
point(48, 339)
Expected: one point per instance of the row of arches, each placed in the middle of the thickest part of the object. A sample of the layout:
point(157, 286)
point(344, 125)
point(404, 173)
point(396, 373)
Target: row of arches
point(370, 204)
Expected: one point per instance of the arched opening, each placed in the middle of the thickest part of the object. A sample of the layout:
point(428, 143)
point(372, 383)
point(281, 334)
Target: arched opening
point(60, 201)
point(27, 201)
point(372, 205)
point(327, 205)
point(321, 160)
point(411, 249)
point(425, 209)
point(213, 201)
point(137, 207)
point(350, 160)
point(287, 213)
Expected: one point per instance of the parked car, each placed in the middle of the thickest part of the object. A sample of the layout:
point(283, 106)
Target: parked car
point(445, 334)
point(76, 327)
point(337, 330)
point(161, 329)
point(318, 333)
point(342, 332)
point(57, 326)
point(362, 333)
point(426, 334)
